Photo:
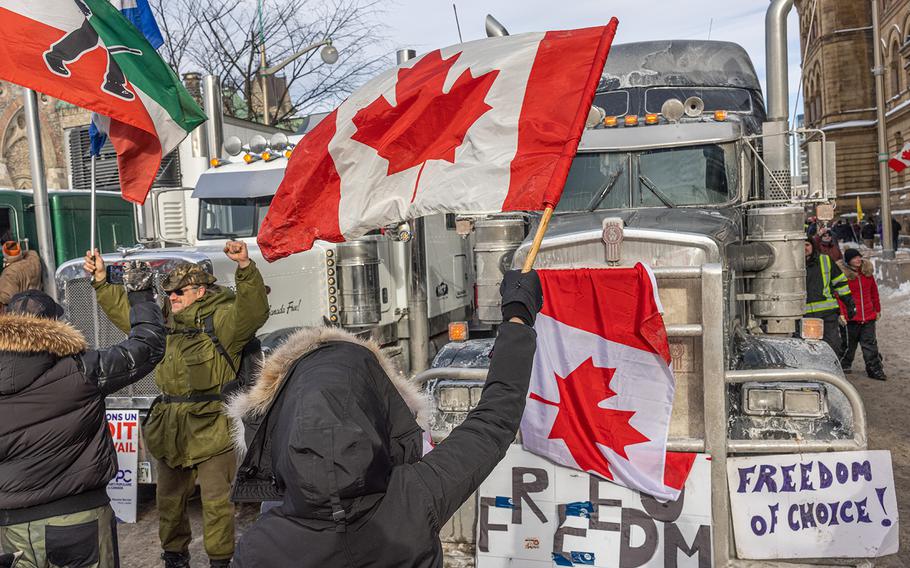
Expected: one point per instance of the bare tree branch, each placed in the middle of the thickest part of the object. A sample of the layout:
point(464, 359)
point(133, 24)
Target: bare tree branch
point(224, 37)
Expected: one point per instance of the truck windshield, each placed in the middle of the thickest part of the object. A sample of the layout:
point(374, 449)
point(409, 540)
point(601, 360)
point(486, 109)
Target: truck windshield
point(231, 218)
point(667, 177)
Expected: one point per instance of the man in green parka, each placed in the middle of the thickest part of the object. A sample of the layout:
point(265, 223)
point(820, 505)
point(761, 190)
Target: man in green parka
point(186, 430)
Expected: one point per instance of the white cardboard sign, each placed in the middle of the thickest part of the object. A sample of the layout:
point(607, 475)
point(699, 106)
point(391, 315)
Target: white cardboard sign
point(124, 428)
point(534, 513)
point(827, 505)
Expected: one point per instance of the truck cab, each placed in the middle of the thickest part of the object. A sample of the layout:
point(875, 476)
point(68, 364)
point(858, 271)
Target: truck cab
point(69, 213)
point(672, 175)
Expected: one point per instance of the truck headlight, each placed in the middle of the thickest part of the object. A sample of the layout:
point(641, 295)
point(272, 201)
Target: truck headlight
point(454, 397)
point(801, 401)
point(764, 401)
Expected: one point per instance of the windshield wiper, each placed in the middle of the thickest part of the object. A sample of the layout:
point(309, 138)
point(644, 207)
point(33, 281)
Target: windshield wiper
point(218, 233)
point(657, 193)
point(604, 191)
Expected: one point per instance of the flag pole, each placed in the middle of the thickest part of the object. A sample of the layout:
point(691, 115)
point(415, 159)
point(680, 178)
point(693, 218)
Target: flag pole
point(538, 238)
point(92, 211)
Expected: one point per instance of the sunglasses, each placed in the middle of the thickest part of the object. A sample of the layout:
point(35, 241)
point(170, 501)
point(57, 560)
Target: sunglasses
point(182, 291)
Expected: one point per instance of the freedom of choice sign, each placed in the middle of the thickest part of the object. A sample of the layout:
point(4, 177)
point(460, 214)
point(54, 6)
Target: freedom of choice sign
point(532, 512)
point(831, 505)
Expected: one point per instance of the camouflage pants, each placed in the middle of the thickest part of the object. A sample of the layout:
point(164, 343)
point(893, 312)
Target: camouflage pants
point(176, 486)
point(87, 539)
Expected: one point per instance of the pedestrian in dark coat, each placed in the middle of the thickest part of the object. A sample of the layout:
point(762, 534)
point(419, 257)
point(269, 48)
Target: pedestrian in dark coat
point(56, 449)
point(825, 285)
point(868, 234)
point(861, 327)
point(339, 441)
point(826, 243)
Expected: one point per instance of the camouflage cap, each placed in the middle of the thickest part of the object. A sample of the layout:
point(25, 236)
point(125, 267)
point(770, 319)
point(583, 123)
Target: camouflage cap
point(186, 274)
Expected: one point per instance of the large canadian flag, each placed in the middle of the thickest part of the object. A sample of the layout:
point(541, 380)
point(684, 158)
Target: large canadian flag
point(486, 126)
point(602, 385)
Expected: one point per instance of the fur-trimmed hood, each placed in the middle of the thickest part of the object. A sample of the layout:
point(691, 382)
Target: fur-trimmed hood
point(867, 269)
point(21, 333)
point(253, 403)
point(329, 420)
point(30, 345)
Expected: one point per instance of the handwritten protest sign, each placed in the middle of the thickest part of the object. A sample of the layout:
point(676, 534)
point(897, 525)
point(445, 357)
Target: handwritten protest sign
point(831, 505)
point(124, 428)
point(532, 512)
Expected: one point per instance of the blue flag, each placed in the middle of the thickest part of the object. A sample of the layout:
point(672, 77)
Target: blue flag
point(139, 13)
point(97, 138)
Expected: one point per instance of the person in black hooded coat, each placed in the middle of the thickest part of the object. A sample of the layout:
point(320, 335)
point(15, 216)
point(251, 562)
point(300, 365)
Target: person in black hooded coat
point(336, 436)
point(56, 452)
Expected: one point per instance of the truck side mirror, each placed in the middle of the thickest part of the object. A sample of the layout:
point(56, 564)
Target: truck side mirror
point(822, 170)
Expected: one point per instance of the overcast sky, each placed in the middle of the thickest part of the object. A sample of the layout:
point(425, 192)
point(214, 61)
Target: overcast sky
point(428, 24)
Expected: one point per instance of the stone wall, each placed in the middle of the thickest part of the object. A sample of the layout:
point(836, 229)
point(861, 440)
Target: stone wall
point(14, 156)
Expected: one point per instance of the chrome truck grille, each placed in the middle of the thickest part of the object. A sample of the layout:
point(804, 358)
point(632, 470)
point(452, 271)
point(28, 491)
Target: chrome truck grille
point(84, 313)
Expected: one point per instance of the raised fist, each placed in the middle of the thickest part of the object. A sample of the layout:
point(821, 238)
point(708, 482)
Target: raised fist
point(137, 276)
point(237, 251)
point(94, 265)
point(522, 296)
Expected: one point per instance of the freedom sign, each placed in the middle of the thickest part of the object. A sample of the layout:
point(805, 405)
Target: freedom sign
point(124, 428)
point(830, 505)
point(532, 512)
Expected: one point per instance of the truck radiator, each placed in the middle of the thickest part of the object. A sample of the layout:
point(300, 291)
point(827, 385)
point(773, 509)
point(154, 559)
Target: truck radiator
point(84, 313)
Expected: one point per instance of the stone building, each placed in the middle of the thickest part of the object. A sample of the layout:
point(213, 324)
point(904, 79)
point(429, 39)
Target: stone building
point(839, 92)
point(55, 116)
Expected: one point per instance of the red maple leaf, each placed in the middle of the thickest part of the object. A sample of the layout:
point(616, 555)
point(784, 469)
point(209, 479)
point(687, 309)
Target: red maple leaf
point(425, 123)
point(906, 155)
point(582, 424)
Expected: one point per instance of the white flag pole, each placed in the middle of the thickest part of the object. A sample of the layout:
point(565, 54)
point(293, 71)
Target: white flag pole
point(92, 211)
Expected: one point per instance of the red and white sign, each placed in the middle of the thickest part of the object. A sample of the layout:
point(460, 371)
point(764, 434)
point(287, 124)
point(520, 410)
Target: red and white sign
point(124, 428)
point(602, 388)
point(486, 126)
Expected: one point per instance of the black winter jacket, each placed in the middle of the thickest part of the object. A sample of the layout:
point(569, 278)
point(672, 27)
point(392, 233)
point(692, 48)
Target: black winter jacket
point(338, 442)
point(56, 453)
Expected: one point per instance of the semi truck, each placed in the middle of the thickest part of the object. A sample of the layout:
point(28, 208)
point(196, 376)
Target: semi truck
point(364, 286)
point(686, 171)
point(69, 216)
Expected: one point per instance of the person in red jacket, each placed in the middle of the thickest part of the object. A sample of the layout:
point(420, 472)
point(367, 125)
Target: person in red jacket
point(861, 327)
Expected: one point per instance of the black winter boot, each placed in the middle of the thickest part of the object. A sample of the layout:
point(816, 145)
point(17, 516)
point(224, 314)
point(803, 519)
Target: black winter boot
point(176, 559)
point(225, 563)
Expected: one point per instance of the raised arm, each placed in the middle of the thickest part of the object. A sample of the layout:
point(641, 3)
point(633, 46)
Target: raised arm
point(135, 357)
point(239, 323)
point(457, 466)
point(112, 299)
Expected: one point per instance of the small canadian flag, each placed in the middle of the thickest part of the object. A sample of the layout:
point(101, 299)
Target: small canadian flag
point(602, 387)
point(900, 161)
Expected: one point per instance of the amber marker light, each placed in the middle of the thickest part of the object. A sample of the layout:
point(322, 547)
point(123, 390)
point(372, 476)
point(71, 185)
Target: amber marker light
point(651, 118)
point(631, 120)
point(610, 121)
point(458, 331)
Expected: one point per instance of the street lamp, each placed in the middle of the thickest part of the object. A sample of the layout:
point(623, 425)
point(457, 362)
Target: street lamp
point(328, 54)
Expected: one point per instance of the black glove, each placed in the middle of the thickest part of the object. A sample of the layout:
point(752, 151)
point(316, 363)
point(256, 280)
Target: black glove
point(137, 275)
point(851, 308)
point(522, 296)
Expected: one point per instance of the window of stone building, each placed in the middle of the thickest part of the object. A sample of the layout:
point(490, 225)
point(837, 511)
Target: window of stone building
point(894, 70)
